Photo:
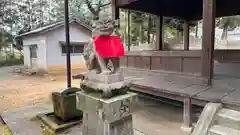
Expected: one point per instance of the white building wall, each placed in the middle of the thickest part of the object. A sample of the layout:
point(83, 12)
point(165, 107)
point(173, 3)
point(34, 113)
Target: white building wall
point(26, 53)
point(40, 41)
point(54, 50)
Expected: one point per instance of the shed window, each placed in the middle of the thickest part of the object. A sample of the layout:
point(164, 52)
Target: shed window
point(64, 49)
point(33, 51)
point(73, 49)
point(78, 49)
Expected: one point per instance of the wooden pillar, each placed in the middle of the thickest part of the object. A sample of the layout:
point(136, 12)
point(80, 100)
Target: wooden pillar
point(187, 114)
point(186, 35)
point(159, 33)
point(149, 29)
point(209, 10)
point(115, 10)
point(128, 29)
point(67, 37)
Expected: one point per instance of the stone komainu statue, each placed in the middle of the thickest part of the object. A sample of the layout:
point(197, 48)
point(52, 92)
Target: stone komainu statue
point(95, 62)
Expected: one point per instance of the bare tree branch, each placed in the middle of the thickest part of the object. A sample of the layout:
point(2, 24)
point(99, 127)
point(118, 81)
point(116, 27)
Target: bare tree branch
point(103, 5)
point(90, 7)
point(97, 10)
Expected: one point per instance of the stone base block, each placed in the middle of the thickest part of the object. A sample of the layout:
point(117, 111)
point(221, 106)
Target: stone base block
point(64, 104)
point(105, 79)
point(107, 116)
point(93, 126)
point(56, 125)
point(105, 90)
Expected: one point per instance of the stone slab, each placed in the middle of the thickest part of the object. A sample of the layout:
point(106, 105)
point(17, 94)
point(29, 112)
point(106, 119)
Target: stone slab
point(92, 125)
point(54, 126)
point(79, 76)
point(222, 130)
point(113, 109)
point(206, 118)
point(104, 87)
point(22, 121)
point(65, 104)
point(111, 116)
point(106, 79)
point(155, 120)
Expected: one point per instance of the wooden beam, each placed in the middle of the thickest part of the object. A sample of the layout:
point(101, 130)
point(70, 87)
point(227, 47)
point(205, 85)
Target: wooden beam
point(115, 10)
point(159, 33)
point(122, 2)
point(149, 28)
point(209, 10)
point(186, 35)
point(67, 36)
point(128, 29)
point(187, 114)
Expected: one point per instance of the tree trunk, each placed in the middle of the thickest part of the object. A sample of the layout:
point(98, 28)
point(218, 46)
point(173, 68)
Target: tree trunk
point(149, 29)
point(129, 31)
point(224, 33)
point(196, 31)
point(153, 38)
point(125, 28)
point(141, 33)
point(177, 35)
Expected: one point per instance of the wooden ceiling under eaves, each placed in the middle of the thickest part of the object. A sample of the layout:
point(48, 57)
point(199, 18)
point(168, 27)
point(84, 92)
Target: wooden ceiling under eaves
point(189, 10)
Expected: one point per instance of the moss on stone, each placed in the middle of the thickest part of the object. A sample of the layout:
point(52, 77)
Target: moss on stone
point(107, 95)
point(5, 129)
point(47, 131)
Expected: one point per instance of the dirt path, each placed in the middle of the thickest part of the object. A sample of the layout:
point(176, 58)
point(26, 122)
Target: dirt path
point(19, 91)
point(5, 72)
point(24, 90)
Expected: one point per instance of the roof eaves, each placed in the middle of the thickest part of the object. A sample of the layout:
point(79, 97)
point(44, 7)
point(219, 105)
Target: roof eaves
point(42, 29)
point(54, 26)
point(73, 43)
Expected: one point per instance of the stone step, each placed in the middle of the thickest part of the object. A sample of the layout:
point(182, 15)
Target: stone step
point(228, 118)
point(221, 130)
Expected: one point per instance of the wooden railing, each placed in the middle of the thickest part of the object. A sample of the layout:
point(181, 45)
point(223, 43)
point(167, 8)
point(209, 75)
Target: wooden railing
point(229, 56)
point(187, 62)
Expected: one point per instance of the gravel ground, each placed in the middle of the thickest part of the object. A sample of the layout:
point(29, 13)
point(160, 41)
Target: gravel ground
point(5, 72)
point(18, 91)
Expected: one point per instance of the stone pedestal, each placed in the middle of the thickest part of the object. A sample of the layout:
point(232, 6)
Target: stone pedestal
point(107, 85)
point(106, 116)
point(64, 104)
point(106, 79)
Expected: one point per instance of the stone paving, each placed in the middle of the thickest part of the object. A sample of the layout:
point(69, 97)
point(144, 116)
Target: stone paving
point(150, 119)
point(18, 91)
point(5, 72)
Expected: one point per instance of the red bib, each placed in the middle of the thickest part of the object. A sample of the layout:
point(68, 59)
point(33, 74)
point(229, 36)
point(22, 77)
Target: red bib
point(109, 46)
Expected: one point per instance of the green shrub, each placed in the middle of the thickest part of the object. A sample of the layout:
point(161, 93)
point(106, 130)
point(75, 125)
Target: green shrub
point(22, 58)
point(11, 61)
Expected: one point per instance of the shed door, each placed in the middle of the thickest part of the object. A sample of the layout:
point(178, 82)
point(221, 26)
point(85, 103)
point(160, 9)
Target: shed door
point(33, 56)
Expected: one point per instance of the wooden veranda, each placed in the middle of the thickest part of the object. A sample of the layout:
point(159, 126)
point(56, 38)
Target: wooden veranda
point(190, 76)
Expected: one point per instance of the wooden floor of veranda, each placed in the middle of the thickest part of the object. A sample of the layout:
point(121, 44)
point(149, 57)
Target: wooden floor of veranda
point(225, 88)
